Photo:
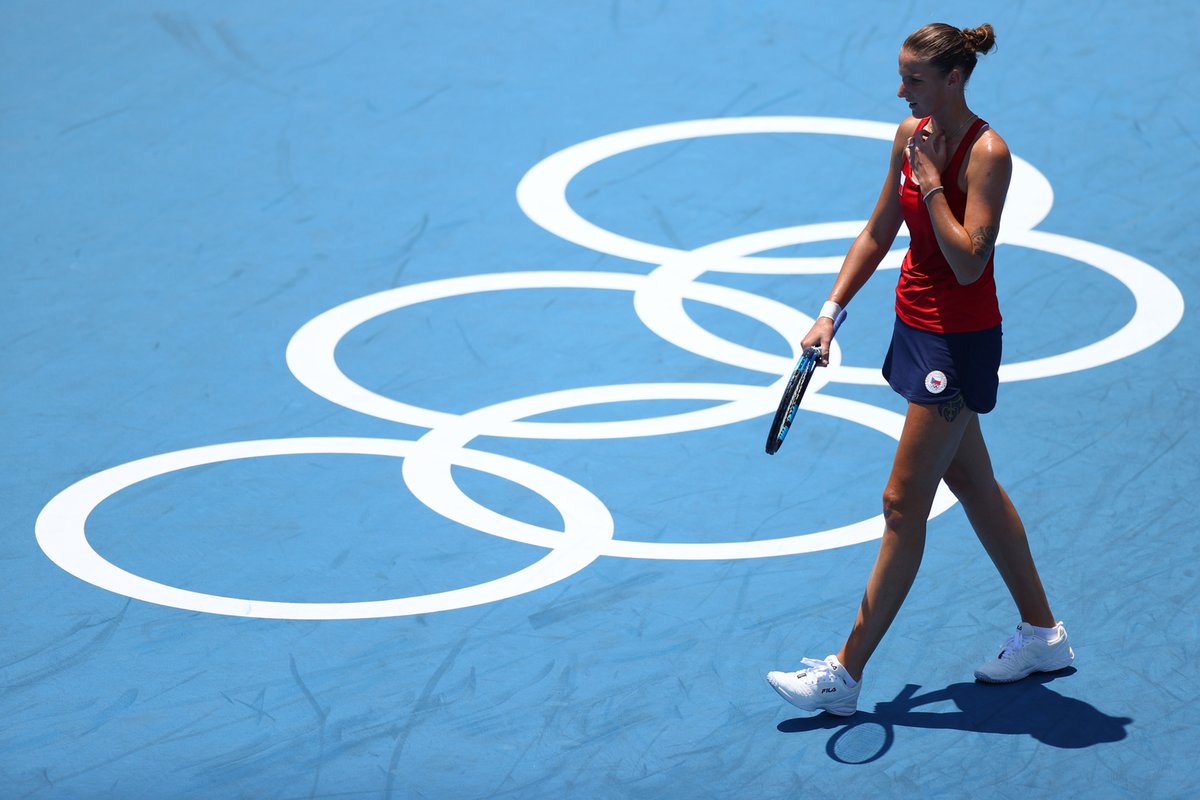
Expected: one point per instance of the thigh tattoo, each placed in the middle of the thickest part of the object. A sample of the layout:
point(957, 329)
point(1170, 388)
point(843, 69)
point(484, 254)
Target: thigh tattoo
point(951, 408)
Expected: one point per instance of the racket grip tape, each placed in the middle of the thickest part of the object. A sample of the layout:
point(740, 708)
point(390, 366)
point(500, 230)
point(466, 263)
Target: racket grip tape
point(837, 322)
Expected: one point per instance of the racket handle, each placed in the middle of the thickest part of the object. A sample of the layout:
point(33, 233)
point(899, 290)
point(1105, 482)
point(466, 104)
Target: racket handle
point(837, 323)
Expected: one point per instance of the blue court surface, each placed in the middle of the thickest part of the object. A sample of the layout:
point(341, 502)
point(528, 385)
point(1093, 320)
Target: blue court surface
point(386, 385)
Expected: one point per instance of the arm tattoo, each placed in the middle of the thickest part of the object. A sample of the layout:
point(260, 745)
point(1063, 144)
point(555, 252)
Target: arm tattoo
point(951, 408)
point(983, 239)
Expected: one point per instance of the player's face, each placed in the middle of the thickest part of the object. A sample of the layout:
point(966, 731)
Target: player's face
point(922, 86)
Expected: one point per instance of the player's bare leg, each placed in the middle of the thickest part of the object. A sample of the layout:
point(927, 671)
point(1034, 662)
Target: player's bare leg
point(928, 444)
point(997, 525)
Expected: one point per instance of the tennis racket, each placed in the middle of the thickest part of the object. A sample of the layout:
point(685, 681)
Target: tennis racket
point(795, 391)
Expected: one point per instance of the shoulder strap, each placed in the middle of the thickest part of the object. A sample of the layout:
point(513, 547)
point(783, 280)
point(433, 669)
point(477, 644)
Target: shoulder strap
point(961, 153)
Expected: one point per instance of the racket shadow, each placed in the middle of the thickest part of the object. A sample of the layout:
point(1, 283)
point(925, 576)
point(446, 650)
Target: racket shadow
point(1025, 708)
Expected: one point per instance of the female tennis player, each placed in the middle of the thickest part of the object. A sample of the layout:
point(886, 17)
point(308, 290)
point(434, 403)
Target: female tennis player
point(947, 179)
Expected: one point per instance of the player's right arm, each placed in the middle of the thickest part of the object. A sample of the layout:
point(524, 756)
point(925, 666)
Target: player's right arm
point(869, 248)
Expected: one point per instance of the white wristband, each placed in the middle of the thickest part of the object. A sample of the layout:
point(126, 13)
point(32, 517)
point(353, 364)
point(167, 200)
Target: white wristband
point(830, 309)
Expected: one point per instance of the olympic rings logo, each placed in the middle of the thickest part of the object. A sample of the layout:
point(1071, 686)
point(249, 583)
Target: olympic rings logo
point(588, 530)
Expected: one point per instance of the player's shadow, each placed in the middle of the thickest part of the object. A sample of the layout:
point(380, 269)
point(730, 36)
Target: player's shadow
point(1026, 708)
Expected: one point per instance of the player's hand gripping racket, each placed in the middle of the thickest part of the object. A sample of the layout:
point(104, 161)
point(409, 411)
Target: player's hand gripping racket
point(795, 390)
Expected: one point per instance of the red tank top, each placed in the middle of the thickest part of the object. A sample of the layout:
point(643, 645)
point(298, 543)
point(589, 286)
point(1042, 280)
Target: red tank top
point(928, 296)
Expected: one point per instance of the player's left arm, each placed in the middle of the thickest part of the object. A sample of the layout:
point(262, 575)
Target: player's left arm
point(968, 245)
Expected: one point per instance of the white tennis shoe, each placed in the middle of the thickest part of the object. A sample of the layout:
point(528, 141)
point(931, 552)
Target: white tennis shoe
point(1025, 653)
point(818, 686)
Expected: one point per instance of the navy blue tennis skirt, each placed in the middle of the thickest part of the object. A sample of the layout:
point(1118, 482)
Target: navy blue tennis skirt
point(931, 368)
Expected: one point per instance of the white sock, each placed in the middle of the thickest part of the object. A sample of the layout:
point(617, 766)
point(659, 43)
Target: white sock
point(1045, 634)
point(846, 679)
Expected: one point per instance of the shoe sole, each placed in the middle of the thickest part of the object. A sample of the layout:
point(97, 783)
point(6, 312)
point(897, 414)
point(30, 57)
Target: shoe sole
point(980, 676)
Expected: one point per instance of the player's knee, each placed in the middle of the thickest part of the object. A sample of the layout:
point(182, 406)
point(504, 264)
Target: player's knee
point(902, 512)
